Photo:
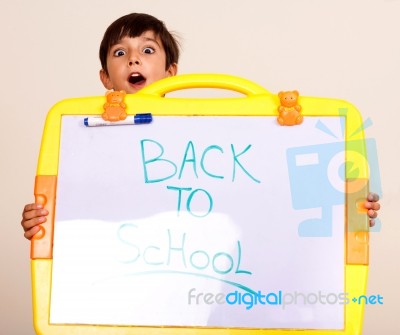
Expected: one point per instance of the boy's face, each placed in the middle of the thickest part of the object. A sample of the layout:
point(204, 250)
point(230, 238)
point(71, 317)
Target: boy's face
point(135, 62)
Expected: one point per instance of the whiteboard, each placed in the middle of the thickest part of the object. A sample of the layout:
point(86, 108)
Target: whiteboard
point(163, 224)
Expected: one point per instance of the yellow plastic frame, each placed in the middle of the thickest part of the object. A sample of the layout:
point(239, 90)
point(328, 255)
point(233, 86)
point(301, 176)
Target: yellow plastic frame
point(256, 102)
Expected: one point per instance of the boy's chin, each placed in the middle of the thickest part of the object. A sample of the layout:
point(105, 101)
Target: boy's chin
point(135, 88)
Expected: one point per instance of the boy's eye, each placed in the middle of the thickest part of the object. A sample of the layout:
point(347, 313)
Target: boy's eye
point(119, 53)
point(148, 50)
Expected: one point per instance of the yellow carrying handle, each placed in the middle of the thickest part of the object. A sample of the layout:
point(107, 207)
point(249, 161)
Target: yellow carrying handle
point(221, 81)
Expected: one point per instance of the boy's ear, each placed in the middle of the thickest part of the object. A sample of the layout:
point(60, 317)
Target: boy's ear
point(172, 70)
point(105, 79)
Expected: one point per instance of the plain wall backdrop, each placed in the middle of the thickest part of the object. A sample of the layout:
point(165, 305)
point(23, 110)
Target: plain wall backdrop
point(346, 49)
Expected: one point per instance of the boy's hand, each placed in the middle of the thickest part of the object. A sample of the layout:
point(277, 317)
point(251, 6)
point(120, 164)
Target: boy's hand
point(373, 206)
point(32, 216)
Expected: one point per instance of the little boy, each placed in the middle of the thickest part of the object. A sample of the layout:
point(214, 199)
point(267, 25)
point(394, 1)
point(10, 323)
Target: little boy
point(137, 50)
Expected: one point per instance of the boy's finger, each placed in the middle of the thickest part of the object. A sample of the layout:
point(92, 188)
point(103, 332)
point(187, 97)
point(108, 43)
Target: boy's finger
point(29, 224)
point(371, 222)
point(372, 205)
point(31, 232)
point(375, 206)
point(28, 215)
point(372, 214)
point(373, 197)
point(31, 207)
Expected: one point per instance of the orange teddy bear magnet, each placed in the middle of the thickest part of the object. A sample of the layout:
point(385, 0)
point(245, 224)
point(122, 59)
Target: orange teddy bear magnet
point(289, 109)
point(114, 108)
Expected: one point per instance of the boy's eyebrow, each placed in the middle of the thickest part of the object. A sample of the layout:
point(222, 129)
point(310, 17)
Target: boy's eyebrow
point(152, 40)
point(144, 37)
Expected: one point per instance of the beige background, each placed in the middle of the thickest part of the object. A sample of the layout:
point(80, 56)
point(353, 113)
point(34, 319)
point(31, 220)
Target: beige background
point(346, 49)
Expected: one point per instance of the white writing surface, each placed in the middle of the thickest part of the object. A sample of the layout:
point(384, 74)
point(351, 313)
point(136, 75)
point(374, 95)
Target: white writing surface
point(200, 221)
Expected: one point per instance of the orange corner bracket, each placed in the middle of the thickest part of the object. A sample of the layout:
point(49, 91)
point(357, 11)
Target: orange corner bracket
point(357, 222)
point(45, 194)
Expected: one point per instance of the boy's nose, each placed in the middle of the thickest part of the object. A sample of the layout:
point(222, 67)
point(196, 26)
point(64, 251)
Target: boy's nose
point(134, 60)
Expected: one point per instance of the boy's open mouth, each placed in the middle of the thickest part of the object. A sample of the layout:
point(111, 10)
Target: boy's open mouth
point(136, 79)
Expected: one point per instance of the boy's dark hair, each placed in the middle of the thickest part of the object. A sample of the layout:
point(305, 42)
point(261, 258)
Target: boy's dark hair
point(133, 25)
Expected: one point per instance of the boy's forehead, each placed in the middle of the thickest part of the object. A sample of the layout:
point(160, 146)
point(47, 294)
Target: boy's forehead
point(148, 35)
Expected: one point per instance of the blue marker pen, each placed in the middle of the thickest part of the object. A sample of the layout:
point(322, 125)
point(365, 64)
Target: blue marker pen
point(97, 121)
